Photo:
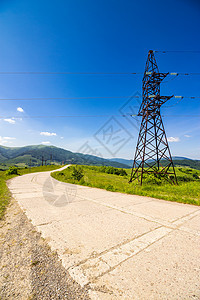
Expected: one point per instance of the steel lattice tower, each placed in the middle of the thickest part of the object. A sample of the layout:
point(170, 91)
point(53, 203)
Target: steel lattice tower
point(152, 153)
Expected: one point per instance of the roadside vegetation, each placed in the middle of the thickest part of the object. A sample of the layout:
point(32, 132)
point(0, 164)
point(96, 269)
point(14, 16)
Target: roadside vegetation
point(13, 171)
point(116, 180)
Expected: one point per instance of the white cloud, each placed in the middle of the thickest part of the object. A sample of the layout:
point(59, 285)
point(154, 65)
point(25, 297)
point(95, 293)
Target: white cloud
point(45, 133)
point(20, 109)
point(9, 138)
point(6, 139)
point(11, 121)
point(45, 143)
point(173, 139)
point(187, 135)
point(2, 141)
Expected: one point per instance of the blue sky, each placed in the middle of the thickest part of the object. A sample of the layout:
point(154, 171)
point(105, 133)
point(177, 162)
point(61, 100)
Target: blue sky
point(96, 36)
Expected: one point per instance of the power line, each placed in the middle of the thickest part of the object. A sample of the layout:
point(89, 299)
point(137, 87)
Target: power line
point(175, 73)
point(84, 116)
point(90, 73)
point(183, 74)
point(180, 98)
point(85, 98)
point(70, 73)
point(187, 97)
point(68, 98)
point(58, 116)
point(176, 51)
point(185, 116)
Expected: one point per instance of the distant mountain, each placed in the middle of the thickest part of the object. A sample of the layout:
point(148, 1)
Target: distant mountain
point(33, 155)
point(128, 162)
point(178, 161)
point(180, 158)
point(194, 164)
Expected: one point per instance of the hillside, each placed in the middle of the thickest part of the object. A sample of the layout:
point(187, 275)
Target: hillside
point(194, 164)
point(178, 161)
point(32, 155)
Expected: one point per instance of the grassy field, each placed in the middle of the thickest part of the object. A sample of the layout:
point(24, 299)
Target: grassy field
point(5, 194)
point(187, 190)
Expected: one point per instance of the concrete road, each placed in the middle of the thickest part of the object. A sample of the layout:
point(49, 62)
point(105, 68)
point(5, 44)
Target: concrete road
point(120, 246)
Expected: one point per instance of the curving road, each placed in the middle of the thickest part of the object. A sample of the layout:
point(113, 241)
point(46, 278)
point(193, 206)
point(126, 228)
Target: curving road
point(120, 246)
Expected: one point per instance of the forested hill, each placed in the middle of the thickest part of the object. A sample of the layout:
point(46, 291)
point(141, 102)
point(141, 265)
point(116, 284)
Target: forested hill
point(33, 155)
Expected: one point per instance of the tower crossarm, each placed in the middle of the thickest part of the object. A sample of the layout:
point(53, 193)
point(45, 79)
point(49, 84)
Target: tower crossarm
point(152, 104)
point(153, 77)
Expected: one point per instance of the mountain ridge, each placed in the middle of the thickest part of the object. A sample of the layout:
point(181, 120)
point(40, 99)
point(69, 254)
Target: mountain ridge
point(177, 160)
point(35, 154)
point(129, 162)
point(32, 155)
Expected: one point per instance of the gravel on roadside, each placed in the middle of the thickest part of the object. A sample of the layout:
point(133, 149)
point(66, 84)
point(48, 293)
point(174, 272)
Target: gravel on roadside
point(29, 269)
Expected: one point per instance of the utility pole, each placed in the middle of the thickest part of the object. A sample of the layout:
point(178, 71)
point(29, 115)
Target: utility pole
point(42, 160)
point(50, 159)
point(152, 153)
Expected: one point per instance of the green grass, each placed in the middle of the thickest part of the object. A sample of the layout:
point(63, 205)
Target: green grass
point(5, 194)
point(38, 169)
point(187, 190)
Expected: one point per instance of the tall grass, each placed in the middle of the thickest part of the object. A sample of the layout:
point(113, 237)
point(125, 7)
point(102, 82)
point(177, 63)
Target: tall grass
point(187, 190)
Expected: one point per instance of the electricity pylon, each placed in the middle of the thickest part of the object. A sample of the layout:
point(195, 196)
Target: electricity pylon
point(152, 153)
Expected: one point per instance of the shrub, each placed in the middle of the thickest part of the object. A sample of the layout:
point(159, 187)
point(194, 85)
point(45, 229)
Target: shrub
point(153, 179)
point(112, 170)
point(102, 169)
point(77, 173)
point(195, 175)
point(12, 170)
point(123, 172)
point(110, 188)
point(185, 178)
point(189, 171)
point(82, 181)
point(116, 172)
